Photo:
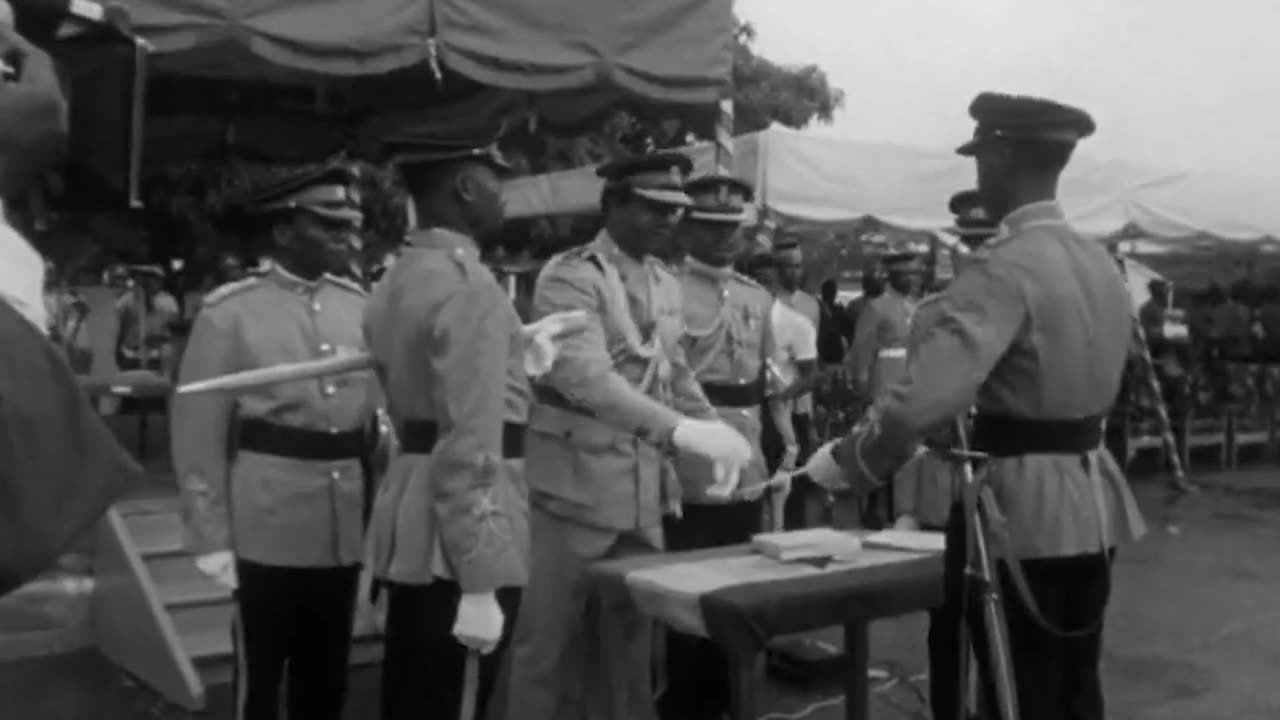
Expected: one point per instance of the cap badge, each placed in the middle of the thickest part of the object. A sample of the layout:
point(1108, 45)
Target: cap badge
point(676, 176)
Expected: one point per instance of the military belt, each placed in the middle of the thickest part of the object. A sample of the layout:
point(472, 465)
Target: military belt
point(268, 438)
point(729, 395)
point(1005, 436)
point(548, 395)
point(419, 437)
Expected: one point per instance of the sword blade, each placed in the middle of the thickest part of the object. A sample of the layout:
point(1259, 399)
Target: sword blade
point(276, 374)
point(470, 686)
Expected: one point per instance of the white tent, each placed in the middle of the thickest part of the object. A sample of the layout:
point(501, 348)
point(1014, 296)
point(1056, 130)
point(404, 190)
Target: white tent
point(807, 178)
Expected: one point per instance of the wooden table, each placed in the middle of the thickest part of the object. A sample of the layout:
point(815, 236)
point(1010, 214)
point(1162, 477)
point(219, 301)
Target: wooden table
point(742, 600)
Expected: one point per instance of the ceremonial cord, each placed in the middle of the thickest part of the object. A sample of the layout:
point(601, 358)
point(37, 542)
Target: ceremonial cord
point(892, 675)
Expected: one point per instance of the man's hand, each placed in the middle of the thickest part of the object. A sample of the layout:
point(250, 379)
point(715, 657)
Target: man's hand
point(906, 522)
point(33, 111)
point(714, 440)
point(478, 624)
point(542, 339)
point(219, 567)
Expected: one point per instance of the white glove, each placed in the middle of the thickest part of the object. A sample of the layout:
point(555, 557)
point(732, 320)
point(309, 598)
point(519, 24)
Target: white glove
point(715, 441)
point(542, 338)
point(823, 470)
point(727, 478)
point(907, 522)
point(478, 624)
point(219, 567)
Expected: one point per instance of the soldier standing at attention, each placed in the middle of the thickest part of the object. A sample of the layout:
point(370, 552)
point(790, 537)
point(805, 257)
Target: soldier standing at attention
point(878, 354)
point(272, 479)
point(619, 401)
point(450, 533)
point(1035, 331)
point(726, 318)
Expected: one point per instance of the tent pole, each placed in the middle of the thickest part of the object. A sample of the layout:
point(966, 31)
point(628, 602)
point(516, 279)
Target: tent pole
point(1179, 486)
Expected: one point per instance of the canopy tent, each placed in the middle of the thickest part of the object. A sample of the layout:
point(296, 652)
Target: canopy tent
point(298, 79)
point(663, 50)
point(810, 179)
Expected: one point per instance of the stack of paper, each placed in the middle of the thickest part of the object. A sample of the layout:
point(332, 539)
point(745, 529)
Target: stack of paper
point(810, 544)
point(913, 540)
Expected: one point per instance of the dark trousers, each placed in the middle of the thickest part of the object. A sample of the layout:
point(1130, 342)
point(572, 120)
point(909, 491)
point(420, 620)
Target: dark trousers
point(298, 618)
point(1056, 678)
point(697, 671)
point(804, 494)
point(423, 665)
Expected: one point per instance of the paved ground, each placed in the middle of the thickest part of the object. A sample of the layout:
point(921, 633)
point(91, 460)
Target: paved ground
point(1193, 633)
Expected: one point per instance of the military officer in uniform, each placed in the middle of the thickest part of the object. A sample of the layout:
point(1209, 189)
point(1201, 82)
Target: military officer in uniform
point(272, 479)
point(726, 317)
point(1035, 331)
point(972, 223)
point(620, 399)
point(449, 534)
point(878, 353)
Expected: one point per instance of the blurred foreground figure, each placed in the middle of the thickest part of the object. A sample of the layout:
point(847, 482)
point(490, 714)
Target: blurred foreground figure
point(60, 466)
point(1034, 332)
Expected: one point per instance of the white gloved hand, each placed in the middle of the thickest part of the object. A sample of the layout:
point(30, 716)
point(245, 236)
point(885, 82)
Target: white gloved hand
point(726, 480)
point(823, 470)
point(713, 440)
point(478, 624)
point(542, 338)
point(907, 522)
point(219, 567)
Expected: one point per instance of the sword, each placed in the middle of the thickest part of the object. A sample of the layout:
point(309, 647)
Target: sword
point(276, 374)
point(470, 685)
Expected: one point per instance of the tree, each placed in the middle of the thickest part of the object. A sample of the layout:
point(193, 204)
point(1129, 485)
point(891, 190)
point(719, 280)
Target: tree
point(764, 93)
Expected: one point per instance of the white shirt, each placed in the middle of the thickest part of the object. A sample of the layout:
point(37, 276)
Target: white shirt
point(22, 276)
point(795, 341)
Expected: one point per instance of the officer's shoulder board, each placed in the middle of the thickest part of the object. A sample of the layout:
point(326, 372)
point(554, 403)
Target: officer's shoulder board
point(225, 292)
point(745, 280)
point(582, 253)
point(346, 284)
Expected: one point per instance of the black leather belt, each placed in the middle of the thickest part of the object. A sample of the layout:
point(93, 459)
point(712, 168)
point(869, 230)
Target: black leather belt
point(726, 395)
point(268, 438)
point(1003, 436)
point(548, 395)
point(418, 437)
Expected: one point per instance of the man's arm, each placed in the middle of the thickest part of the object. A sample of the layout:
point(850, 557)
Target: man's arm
point(972, 325)
point(806, 360)
point(469, 351)
point(583, 371)
point(199, 426)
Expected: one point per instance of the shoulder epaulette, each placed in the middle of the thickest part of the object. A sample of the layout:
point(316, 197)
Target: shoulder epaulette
point(746, 280)
point(580, 252)
point(346, 284)
point(229, 290)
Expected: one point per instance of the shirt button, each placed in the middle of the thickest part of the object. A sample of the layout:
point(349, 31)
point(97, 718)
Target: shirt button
point(315, 307)
point(326, 348)
point(333, 431)
point(336, 474)
point(330, 390)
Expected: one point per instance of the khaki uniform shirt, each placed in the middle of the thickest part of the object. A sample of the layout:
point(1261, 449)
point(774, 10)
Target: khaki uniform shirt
point(879, 351)
point(616, 390)
point(1037, 327)
point(270, 509)
point(726, 342)
point(449, 349)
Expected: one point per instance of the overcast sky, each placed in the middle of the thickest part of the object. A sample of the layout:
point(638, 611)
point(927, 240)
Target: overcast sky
point(1174, 83)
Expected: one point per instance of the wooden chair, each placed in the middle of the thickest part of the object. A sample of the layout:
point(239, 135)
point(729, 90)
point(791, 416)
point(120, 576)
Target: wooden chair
point(1204, 430)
